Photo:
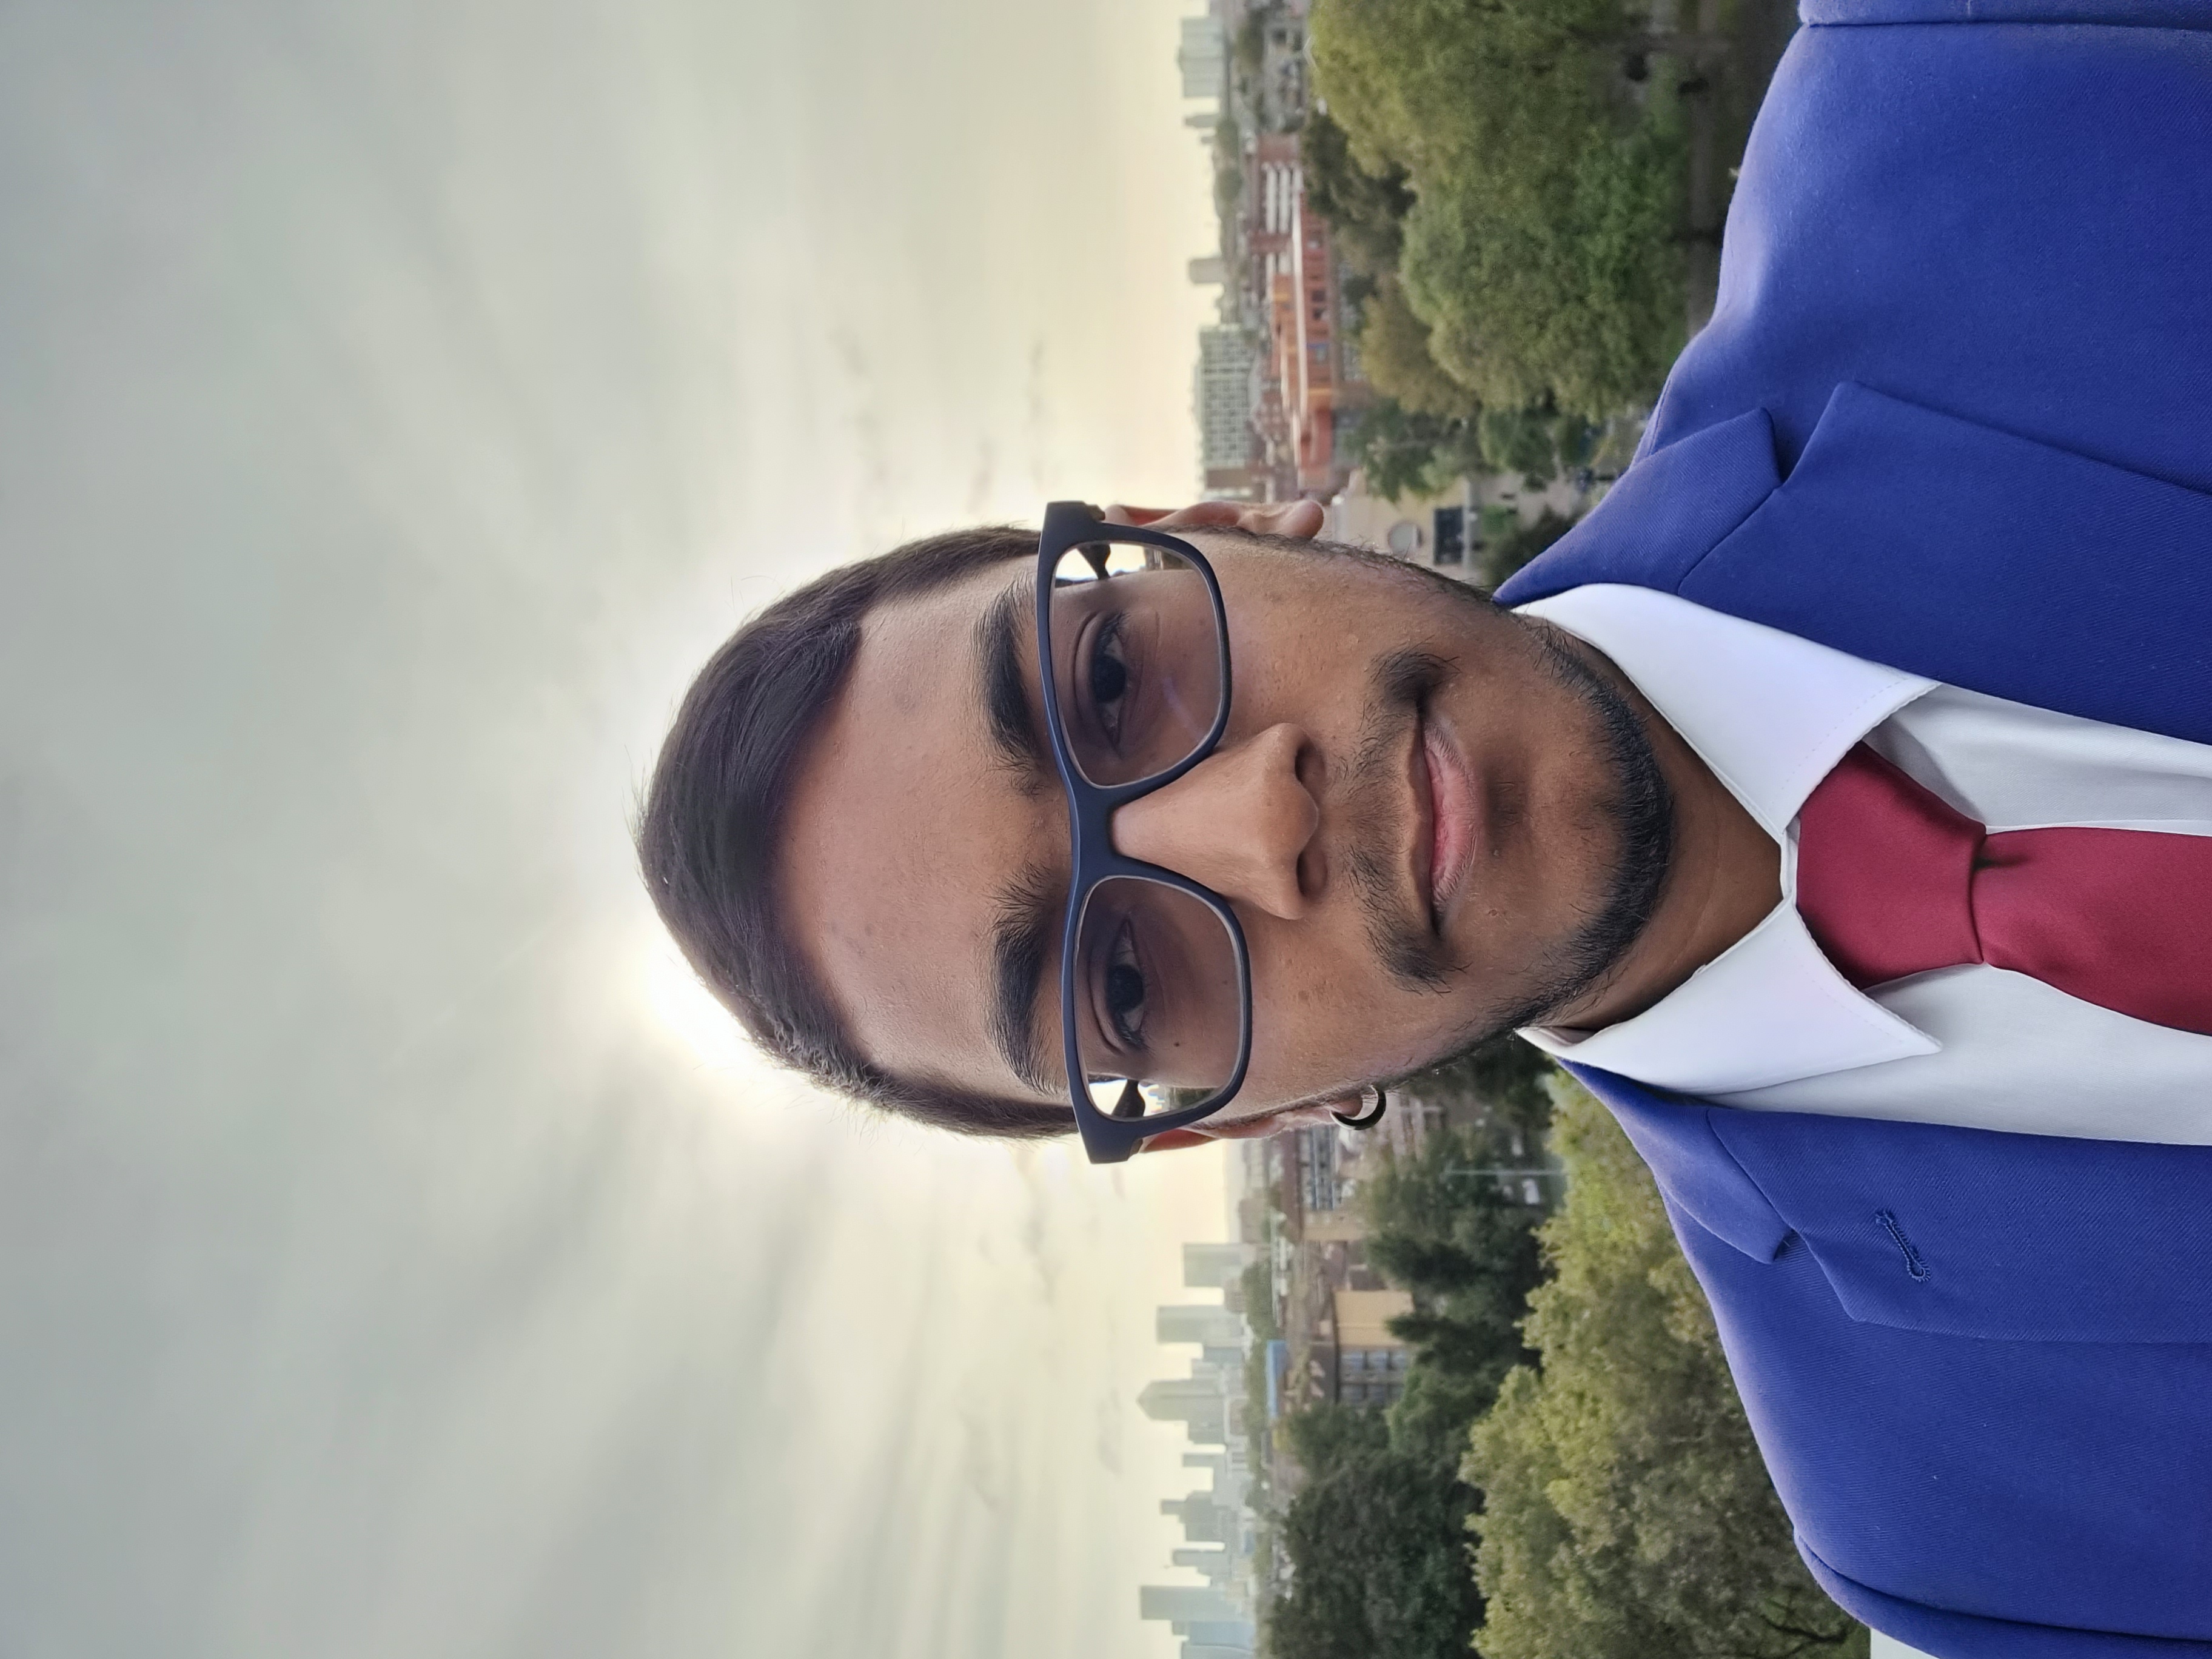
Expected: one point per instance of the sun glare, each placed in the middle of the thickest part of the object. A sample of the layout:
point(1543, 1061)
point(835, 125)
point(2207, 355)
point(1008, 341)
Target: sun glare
point(686, 1011)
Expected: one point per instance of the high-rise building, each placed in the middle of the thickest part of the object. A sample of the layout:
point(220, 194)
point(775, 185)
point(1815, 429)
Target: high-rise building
point(1211, 1325)
point(1186, 1604)
point(1214, 1267)
point(1223, 392)
point(1213, 1636)
point(1204, 1519)
point(1203, 58)
point(1200, 1404)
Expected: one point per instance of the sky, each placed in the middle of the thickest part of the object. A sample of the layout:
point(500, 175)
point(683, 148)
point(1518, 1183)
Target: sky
point(397, 402)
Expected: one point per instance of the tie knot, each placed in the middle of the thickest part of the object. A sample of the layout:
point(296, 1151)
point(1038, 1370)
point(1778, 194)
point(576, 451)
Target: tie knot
point(1885, 873)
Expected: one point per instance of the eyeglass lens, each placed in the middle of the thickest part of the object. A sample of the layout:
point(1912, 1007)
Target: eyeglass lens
point(1137, 674)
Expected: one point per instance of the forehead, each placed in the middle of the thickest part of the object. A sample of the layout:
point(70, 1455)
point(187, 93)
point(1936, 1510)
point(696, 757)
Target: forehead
point(903, 824)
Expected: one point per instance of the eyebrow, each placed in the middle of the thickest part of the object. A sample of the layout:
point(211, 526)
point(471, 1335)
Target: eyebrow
point(1006, 686)
point(1025, 910)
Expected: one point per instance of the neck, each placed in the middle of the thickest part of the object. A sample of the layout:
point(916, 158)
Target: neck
point(1725, 878)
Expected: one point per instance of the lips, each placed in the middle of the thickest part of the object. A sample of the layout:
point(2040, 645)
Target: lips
point(1451, 814)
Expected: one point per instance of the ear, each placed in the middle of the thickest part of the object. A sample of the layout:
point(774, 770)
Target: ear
point(1315, 1115)
point(1300, 518)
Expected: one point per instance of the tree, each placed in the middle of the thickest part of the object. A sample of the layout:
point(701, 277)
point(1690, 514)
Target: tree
point(1521, 441)
point(1544, 245)
point(1403, 453)
point(1557, 274)
point(1626, 1513)
point(1502, 556)
point(1504, 1072)
point(1394, 354)
point(1365, 210)
point(1377, 1537)
point(1257, 1284)
point(1448, 1234)
point(1228, 166)
point(1374, 1537)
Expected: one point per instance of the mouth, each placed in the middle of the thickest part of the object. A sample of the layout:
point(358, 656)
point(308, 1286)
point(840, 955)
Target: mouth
point(1445, 800)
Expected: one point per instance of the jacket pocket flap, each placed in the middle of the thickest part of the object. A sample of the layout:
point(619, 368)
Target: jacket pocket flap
point(1971, 1232)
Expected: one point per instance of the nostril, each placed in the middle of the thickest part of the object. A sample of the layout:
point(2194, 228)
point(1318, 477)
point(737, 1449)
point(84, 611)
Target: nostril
point(1313, 870)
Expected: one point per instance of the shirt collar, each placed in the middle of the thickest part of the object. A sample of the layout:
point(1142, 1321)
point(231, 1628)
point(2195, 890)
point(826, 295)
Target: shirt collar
point(1772, 715)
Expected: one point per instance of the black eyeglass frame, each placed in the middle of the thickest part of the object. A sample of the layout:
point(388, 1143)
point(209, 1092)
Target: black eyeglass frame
point(1113, 1137)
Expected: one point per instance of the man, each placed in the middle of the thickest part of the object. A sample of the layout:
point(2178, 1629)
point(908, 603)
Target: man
point(1833, 800)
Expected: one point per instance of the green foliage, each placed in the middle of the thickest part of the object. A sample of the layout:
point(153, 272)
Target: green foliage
point(1375, 1535)
point(1257, 1428)
point(1538, 442)
point(1365, 210)
point(1429, 1421)
point(1543, 247)
point(1626, 1513)
point(1393, 353)
point(1520, 440)
point(1323, 1436)
point(1403, 453)
point(1505, 1073)
point(1503, 554)
point(1566, 285)
point(1228, 166)
point(1251, 46)
point(1468, 1254)
point(1259, 1285)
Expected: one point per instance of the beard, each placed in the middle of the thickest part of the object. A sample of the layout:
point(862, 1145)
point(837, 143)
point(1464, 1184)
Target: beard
point(1635, 810)
point(1637, 807)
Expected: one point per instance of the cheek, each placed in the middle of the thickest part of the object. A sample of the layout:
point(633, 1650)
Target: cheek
point(1323, 1013)
point(1305, 658)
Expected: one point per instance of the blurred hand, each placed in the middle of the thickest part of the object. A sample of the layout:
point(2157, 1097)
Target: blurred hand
point(1301, 519)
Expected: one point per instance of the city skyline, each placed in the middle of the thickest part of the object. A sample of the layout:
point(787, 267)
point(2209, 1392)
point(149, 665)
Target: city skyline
point(403, 403)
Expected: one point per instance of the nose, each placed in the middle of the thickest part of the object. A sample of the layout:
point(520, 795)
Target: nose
point(1240, 822)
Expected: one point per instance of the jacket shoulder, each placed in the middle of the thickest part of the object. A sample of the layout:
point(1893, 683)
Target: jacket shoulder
point(2132, 14)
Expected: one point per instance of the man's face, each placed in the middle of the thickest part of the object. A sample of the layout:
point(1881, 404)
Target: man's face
point(1431, 817)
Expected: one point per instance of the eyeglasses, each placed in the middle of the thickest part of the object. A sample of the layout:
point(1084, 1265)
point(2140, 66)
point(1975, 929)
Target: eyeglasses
point(1155, 982)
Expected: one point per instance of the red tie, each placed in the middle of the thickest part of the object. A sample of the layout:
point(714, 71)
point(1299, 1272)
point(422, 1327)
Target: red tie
point(1893, 882)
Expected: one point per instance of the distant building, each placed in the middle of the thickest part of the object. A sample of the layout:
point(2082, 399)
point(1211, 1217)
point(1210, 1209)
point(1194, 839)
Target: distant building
point(1200, 1404)
point(1212, 1325)
point(1204, 1521)
point(1211, 271)
point(1209, 1638)
point(1187, 1605)
point(1214, 1267)
point(1447, 531)
point(1370, 1363)
point(1203, 58)
point(1222, 391)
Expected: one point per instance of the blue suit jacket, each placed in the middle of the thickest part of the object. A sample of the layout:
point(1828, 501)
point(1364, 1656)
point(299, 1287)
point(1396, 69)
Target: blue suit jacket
point(1954, 413)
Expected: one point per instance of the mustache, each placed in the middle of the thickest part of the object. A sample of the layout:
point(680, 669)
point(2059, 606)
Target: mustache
point(1398, 683)
point(1639, 811)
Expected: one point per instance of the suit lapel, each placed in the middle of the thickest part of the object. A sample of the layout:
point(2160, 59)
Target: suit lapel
point(1933, 544)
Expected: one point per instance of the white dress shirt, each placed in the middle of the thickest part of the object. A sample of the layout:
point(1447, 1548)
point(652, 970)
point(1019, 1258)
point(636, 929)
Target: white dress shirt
point(1770, 1023)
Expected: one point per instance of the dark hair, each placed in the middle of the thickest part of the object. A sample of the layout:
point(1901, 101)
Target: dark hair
point(708, 837)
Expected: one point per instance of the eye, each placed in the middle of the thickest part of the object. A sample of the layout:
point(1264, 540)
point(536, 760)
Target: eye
point(1125, 991)
point(1108, 673)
